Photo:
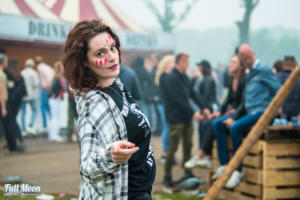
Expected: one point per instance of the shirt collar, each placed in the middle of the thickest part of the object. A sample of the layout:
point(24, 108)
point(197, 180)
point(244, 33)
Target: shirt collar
point(255, 64)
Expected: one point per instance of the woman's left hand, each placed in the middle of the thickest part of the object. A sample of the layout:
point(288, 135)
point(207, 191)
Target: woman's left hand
point(121, 151)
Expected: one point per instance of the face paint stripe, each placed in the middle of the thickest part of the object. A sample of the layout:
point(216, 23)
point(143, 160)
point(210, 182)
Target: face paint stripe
point(96, 63)
point(100, 63)
point(105, 60)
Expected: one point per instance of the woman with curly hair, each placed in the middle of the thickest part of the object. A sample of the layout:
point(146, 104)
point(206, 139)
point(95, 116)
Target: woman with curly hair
point(116, 158)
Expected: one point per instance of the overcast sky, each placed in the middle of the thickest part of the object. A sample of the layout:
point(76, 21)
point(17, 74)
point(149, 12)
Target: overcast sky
point(210, 14)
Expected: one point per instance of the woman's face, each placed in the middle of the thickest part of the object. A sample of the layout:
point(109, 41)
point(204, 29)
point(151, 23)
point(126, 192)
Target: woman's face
point(235, 66)
point(103, 57)
point(170, 65)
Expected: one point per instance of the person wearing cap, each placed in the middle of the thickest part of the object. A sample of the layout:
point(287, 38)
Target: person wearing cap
point(32, 82)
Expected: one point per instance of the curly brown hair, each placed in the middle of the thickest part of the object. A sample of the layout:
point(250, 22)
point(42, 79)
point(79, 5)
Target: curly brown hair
point(78, 76)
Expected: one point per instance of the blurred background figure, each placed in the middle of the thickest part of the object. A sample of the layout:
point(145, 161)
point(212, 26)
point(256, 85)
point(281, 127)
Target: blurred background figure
point(32, 82)
point(277, 66)
point(164, 68)
point(6, 116)
point(130, 81)
point(16, 92)
point(56, 96)
point(142, 68)
point(46, 75)
point(207, 92)
point(291, 106)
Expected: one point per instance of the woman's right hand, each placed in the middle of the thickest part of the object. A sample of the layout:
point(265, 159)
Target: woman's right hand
point(121, 151)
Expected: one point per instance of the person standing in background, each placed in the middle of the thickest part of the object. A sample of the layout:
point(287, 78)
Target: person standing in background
point(16, 90)
point(5, 112)
point(56, 94)
point(165, 67)
point(179, 114)
point(131, 82)
point(32, 82)
point(46, 74)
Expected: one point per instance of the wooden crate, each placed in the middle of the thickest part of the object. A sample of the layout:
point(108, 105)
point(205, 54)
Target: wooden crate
point(272, 172)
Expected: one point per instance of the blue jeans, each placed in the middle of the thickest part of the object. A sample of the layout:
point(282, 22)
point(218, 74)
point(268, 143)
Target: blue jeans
point(33, 105)
point(165, 129)
point(237, 131)
point(45, 106)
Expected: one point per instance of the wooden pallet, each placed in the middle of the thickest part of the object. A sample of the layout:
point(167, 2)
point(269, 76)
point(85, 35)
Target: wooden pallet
point(282, 132)
point(272, 172)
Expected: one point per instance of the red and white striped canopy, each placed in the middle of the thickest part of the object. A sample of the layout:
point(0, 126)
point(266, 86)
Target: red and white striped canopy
point(77, 10)
point(72, 11)
point(32, 8)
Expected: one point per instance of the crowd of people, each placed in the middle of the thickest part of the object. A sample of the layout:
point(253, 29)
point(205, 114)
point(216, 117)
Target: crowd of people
point(119, 107)
point(251, 86)
point(22, 87)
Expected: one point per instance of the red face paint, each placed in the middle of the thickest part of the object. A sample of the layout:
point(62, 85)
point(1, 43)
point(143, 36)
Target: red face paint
point(105, 60)
point(109, 37)
point(100, 63)
point(96, 63)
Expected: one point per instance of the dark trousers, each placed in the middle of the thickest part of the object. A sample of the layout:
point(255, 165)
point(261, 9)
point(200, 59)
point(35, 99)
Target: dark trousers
point(8, 128)
point(177, 131)
point(206, 136)
point(237, 131)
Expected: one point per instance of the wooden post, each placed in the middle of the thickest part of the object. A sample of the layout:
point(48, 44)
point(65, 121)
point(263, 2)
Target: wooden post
point(255, 133)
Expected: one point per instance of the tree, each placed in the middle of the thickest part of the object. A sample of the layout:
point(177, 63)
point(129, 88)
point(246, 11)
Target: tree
point(169, 20)
point(244, 26)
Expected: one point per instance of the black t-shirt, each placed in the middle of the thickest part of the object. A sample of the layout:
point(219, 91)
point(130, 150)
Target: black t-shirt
point(141, 165)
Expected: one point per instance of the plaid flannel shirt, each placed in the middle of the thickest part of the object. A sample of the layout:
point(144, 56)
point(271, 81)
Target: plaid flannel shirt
point(100, 123)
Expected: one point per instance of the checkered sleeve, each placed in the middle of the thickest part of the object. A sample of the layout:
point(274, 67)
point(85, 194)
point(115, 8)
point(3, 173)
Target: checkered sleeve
point(96, 159)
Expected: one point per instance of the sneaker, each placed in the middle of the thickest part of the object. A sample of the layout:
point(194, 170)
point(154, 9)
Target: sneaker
point(168, 181)
point(192, 162)
point(204, 162)
point(219, 172)
point(31, 130)
point(234, 180)
point(200, 162)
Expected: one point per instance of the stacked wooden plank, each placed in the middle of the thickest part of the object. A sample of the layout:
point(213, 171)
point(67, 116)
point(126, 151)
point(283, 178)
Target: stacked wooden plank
point(272, 168)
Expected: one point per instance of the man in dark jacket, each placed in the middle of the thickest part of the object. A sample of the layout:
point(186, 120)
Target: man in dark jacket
point(176, 94)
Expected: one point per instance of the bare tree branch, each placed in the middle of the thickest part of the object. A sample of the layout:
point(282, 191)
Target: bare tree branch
point(169, 19)
point(153, 9)
point(183, 15)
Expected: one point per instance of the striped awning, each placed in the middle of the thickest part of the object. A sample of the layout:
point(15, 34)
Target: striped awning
point(72, 11)
point(32, 8)
point(77, 10)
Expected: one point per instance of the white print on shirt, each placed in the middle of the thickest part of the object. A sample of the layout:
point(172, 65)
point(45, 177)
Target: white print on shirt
point(150, 156)
point(134, 108)
point(125, 107)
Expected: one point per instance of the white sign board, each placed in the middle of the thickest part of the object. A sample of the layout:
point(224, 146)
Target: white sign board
point(33, 29)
